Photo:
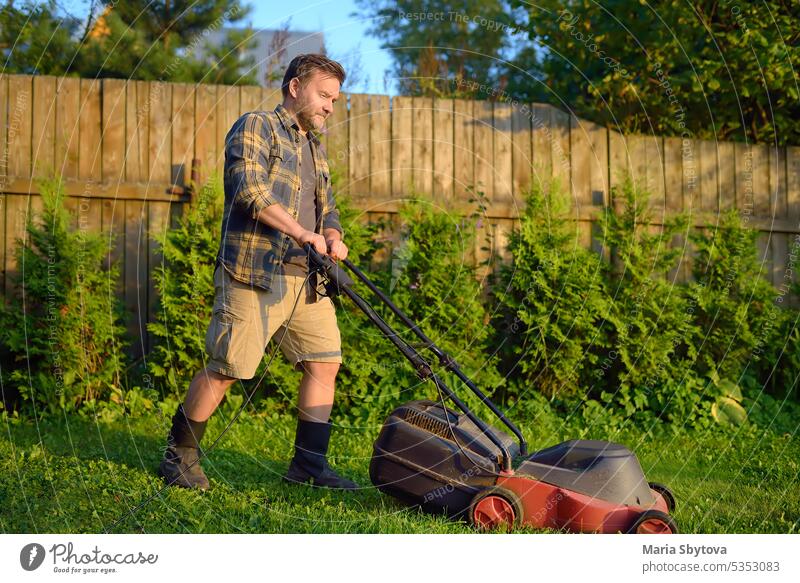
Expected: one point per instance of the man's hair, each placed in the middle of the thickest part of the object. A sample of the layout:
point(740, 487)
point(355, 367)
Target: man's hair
point(302, 66)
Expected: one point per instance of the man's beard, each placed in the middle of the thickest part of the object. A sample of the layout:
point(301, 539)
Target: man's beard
point(307, 121)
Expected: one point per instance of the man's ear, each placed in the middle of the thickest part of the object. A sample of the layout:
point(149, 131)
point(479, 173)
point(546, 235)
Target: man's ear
point(294, 86)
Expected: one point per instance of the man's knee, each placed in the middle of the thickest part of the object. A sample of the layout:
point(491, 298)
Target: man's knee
point(320, 370)
point(216, 378)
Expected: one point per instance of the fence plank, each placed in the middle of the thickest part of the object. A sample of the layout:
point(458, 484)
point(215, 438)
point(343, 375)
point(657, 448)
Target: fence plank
point(464, 149)
point(654, 155)
point(227, 105)
point(502, 163)
point(727, 176)
point(619, 165)
point(484, 149)
point(182, 121)
point(673, 187)
point(4, 152)
point(205, 127)
point(137, 136)
point(402, 146)
point(113, 127)
point(541, 142)
point(113, 224)
point(709, 185)
point(561, 153)
point(793, 182)
point(359, 145)
point(443, 150)
point(16, 217)
point(580, 163)
point(380, 132)
point(43, 126)
point(20, 104)
point(521, 154)
point(422, 149)
point(337, 138)
point(673, 199)
point(777, 181)
point(160, 144)
point(157, 224)
point(250, 99)
point(135, 274)
point(91, 145)
point(761, 197)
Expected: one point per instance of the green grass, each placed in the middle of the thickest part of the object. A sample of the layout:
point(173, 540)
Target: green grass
point(81, 475)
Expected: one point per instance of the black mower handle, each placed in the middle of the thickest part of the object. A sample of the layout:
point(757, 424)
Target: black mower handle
point(337, 277)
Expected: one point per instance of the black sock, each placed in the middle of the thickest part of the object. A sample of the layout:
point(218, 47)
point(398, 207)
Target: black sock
point(185, 432)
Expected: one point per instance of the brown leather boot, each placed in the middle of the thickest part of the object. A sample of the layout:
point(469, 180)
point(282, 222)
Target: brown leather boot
point(181, 463)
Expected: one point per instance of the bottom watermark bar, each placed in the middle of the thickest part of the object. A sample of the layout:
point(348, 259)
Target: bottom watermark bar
point(407, 558)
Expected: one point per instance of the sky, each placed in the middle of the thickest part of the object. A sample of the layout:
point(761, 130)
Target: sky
point(345, 34)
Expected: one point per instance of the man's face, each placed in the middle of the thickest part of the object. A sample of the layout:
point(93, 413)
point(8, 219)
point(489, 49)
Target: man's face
point(314, 100)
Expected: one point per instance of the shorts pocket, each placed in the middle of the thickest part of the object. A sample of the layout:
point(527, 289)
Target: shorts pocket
point(218, 336)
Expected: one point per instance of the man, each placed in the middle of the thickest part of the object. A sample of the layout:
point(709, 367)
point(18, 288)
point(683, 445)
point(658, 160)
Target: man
point(277, 199)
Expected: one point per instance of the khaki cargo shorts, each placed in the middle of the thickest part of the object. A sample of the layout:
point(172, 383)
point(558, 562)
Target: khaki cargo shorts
point(245, 318)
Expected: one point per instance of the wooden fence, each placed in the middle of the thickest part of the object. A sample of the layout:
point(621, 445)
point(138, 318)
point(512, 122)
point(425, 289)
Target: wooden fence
point(121, 145)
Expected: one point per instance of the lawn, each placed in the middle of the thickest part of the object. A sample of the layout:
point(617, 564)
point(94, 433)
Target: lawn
point(81, 475)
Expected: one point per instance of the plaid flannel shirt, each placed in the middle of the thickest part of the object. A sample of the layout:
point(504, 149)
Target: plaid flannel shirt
point(262, 150)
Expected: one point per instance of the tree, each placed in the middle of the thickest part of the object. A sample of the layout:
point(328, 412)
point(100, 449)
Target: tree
point(436, 43)
point(129, 40)
point(709, 69)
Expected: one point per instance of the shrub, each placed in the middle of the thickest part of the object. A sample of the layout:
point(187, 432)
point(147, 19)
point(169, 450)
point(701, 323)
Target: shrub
point(185, 286)
point(432, 280)
point(63, 339)
point(652, 329)
point(552, 300)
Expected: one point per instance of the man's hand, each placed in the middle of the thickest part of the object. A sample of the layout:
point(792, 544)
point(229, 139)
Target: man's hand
point(316, 240)
point(337, 249)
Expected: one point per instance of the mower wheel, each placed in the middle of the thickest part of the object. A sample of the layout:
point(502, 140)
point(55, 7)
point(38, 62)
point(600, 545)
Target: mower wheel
point(494, 507)
point(669, 497)
point(654, 522)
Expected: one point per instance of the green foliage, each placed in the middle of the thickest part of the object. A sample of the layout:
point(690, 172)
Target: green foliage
point(666, 70)
point(431, 278)
point(553, 302)
point(62, 339)
point(651, 327)
point(620, 335)
point(152, 41)
point(185, 286)
point(435, 42)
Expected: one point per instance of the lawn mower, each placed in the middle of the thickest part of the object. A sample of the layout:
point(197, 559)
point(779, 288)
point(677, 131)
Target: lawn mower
point(429, 455)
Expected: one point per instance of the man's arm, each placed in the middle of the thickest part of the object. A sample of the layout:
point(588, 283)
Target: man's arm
point(276, 217)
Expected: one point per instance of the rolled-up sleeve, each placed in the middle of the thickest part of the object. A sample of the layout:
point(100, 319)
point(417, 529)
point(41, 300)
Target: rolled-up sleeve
point(331, 219)
point(247, 160)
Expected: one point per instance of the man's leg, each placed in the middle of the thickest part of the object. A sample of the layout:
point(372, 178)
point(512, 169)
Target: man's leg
point(315, 400)
point(181, 465)
point(206, 391)
point(315, 395)
point(234, 344)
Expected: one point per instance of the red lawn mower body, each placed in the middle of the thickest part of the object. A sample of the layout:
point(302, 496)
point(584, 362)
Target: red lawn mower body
point(444, 462)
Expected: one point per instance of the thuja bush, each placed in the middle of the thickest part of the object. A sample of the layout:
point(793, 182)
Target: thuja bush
point(612, 336)
point(185, 286)
point(553, 303)
point(652, 327)
point(62, 336)
point(432, 278)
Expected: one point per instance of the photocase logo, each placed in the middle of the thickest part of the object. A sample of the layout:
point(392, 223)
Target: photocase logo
point(31, 556)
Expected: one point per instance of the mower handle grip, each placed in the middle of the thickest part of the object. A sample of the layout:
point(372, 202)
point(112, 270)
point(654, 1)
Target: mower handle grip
point(328, 267)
